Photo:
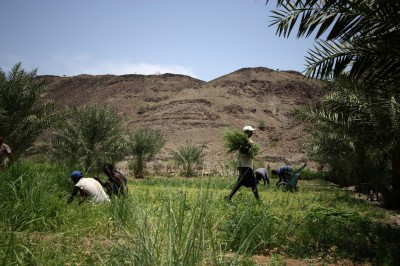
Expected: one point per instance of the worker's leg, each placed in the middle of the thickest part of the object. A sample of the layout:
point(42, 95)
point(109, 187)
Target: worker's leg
point(234, 190)
point(255, 192)
point(238, 183)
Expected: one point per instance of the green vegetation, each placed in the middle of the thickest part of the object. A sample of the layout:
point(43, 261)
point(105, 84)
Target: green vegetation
point(167, 221)
point(235, 140)
point(364, 130)
point(189, 157)
point(170, 221)
point(143, 145)
point(24, 114)
point(359, 35)
point(90, 137)
point(262, 125)
point(355, 131)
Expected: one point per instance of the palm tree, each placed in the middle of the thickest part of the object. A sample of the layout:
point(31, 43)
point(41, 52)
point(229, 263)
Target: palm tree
point(24, 114)
point(189, 157)
point(358, 124)
point(337, 141)
point(360, 35)
point(142, 146)
point(90, 137)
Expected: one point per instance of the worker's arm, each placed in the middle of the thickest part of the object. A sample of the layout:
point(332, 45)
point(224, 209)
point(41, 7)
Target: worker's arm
point(73, 194)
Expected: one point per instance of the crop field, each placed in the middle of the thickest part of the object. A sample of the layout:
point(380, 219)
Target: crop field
point(187, 221)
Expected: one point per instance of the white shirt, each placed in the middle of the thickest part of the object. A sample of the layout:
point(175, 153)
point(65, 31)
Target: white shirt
point(246, 160)
point(4, 148)
point(94, 189)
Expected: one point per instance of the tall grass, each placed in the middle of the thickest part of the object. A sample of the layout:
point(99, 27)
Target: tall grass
point(177, 229)
point(167, 221)
point(31, 197)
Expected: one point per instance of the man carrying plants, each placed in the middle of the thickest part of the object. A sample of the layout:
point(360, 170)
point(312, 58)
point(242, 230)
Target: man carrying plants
point(241, 143)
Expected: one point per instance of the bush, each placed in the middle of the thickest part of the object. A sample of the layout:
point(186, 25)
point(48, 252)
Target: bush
point(91, 137)
point(189, 157)
point(308, 174)
point(142, 146)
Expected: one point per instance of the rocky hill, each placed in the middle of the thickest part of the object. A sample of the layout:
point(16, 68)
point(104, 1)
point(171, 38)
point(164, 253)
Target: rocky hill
point(186, 110)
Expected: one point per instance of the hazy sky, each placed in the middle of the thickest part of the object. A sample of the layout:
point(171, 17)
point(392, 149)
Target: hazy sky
point(204, 39)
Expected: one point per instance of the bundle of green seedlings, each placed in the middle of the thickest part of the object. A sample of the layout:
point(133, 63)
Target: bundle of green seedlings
point(236, 140)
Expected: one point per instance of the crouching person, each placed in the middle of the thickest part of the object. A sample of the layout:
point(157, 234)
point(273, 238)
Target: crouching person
point(116, 183)
point(89, 188)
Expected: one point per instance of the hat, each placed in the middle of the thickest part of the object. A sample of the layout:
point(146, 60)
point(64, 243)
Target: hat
point(248, 128)
point(76, 175)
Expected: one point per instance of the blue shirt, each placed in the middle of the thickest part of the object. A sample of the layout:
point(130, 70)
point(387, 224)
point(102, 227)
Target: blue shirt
point(281, 171)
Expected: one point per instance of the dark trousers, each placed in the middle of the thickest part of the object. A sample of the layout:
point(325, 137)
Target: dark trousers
point(246, 178)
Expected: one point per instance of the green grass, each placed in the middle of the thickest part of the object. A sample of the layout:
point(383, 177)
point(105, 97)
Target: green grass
point(186, 221)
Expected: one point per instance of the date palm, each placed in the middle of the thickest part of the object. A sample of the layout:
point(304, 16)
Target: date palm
point(362, 36)
point(359, 124)
point(24, 114)
point(143, 145)
point(90, 137)
point(189, 156)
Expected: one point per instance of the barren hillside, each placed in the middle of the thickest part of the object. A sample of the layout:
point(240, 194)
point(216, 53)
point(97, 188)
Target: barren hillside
point(190, 110)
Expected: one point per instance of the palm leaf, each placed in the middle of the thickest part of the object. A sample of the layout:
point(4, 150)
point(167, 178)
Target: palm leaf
point(364, 36)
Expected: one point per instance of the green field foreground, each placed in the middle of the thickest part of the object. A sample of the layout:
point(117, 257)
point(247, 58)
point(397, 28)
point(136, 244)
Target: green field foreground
point(187, 221)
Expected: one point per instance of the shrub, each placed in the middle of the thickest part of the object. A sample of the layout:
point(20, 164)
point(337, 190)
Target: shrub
point(189, 157)
point(142, 146)
point(90, 137)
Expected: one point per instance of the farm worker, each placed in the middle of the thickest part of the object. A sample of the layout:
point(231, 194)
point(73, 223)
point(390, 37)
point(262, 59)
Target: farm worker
point(88, 188)
point(116, 183)
point(261, 173)
point(246, 175)
point(283, 173)
point(5, 153)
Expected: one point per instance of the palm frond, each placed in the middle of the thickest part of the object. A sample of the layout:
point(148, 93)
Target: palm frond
point(360, 36)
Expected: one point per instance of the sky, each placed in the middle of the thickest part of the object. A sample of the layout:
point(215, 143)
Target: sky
point(204, 39)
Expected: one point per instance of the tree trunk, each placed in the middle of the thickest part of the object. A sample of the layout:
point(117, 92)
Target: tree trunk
point(392, 200)
point(139, 165)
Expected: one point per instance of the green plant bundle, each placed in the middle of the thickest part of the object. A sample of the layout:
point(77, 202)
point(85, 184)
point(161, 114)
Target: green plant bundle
point(235, 140)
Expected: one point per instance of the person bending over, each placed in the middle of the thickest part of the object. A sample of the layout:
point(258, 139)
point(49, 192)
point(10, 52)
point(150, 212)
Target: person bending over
point(116, 183)
point(283, 173)
point(262, 174)
point(88, 188)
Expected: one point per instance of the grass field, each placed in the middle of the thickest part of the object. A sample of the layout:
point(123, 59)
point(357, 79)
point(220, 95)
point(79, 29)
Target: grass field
point(186, 221)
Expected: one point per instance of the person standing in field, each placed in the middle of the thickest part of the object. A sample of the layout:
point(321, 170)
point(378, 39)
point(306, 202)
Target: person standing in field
point(6, 154)
point(262, 174)
point(89, 188)
point(246, 175)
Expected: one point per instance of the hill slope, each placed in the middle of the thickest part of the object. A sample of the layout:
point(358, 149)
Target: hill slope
point(190, 110)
